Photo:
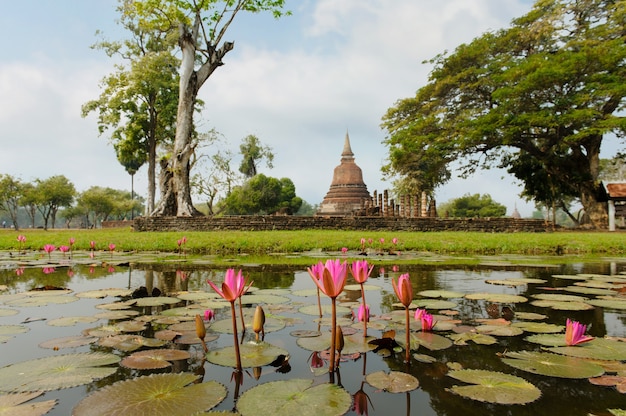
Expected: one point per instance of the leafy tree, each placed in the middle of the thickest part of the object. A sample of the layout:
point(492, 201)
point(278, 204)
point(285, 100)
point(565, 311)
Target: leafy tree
point(132, 158)
point(139, 101)
point(202, 29)
point(101, 204)
point(613, 170)
point(262, 195)
point(29, 200)
point(472, 206)
point(536, 99)
point(252, 152)
point(10, 192)
point(53, 193)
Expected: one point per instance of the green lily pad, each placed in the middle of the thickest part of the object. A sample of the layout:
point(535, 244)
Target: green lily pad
point(539, 327)
point(32, 301)
point(552, 365)
point(156, 301)
point(57, 372)
point(129, 343)
point(560, 297)
point(569, 277)
point(424, 358)
point(225, 326)
point(116, 315)
point(71, 320)
point(446, 294)
point(103, 293)
point(68, 342)
point(530, 316)
point(589, 290)
point(499, 330)
point(433, 304)
point(547, 340)
point(494, 387)
point(562, 305)
point(8, 312)
point(326, 310)
point(392, 382)
point(612, 303)
point(366, 287)
point(154, 359)
point(197, 296)
point(294, 397)
point(497, 297)
point(598, 348)
point(429, 340)
point(13, 329)
point(253, 354)
point(156, 394)
point(517, 281)
point(482, 339)
point(15, 404)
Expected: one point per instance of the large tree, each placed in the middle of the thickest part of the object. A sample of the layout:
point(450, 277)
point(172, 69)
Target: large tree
point(537, 99)
point(139, 100)
point(10, 193)
point(53, 193)
point(262, 195)
point(202, 26)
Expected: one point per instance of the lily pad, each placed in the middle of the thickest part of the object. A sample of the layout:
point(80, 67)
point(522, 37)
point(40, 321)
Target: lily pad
point(562, 305)
point(254, 299)
point(103, 293)
point(497, 297)
point(153, 359)
point(13, 329)
point(613, 303)
point(13, 404)
point(539, 327)
point(598, 348)
point(253, 354)
point(446, 294)
point(429, 340)
point(156, 394)
point(156, 301)
point(499, 330)
point(530, 316)
point(71, 320)
point(31, 301)
point(433, 304)
point(547, 340)
point(326, 310)
point(552, 365)
point(482, 339)
point(57, 372)
point(392, 382)
point(129, 343)
point(494, 387)
point(294, 397)
point(225, 326)
point(68, 342)
point(8, 312)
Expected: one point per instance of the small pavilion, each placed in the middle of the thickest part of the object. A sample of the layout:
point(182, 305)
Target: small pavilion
point(348, 193)
point(616, 199)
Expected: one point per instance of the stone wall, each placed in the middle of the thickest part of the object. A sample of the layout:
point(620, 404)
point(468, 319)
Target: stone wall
point(261, 223)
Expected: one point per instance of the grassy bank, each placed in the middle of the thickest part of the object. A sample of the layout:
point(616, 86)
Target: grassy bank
point(264, 242)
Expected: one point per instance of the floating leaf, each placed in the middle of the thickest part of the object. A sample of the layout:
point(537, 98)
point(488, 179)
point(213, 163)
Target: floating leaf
point(494, 387)
point(294, 397)
point(252, 355)
point(57, 372)
point(539, 327)
point(483, 339)
point(553, 365)
point(103, 293)
point(12, 404)
point(392, 382)
point(598, 348)
point(155, 395)
point(32, 301)
point(497, 297)
point(13, 329)
point(516, 281)
point(129, 343)
point(255, 299)
point(225, 326)
point(156, 301)
point(589, 290)
point(423, 358)
point(429, 340)
point(562, 305)
point(326, 310)
point(116, 315)
point(446, 294)
point(68, 342)
point(530, 316)
point(560, 297)
point(71, 320)
point(154, 359)
point(548, 340)
point(616, 303)
point(8, 312)
point(433, 304)
point(499, 330)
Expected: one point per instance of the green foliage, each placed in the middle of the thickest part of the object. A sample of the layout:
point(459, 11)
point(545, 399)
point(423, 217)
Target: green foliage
point(536, 99)
point(99, 204)
point(252, 152)
point(10, 192)
point(472, 206)
point(262, 195)
point(52, 194)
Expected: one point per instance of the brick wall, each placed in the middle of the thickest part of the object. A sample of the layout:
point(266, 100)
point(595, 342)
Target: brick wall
point(259, 223)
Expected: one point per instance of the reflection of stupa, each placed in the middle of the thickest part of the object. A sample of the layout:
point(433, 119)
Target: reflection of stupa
point(348, 193)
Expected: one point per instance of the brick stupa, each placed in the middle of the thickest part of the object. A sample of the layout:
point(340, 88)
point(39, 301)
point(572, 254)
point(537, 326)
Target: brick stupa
point(348, 193)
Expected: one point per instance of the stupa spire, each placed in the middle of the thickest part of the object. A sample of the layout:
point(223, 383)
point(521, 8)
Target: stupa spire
point(347, 150)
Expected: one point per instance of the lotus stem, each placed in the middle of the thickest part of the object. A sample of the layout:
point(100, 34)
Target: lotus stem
point(408, 336)
point(365, 306)
point(237, 353)
point(333, 335)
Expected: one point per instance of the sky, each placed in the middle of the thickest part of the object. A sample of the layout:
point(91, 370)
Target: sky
point(299, 84)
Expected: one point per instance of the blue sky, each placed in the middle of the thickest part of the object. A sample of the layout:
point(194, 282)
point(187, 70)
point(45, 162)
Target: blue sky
point(298, 84)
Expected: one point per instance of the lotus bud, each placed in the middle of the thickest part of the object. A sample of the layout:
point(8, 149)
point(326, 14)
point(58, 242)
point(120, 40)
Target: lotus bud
point(256, 372)
point(201, 332)
point(339, 341)
point(258, 322)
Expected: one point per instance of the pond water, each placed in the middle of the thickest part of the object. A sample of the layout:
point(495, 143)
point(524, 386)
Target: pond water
point(287, 295)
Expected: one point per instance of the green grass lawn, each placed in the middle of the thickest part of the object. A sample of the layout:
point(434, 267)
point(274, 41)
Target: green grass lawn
point(266, 242)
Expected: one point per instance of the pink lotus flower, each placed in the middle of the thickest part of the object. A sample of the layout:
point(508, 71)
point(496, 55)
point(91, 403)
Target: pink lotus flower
point(331, 277)
point(403, 289)
point(344, 250)
point(19, 271)
point(394, 241)
point(111, 246)
point(209, 314)
point(316, 360)
point(48, 270)
point(575, 333)
point(233, 287)
point(382, 241)
point(72, 241)
point(426, 319)
point(362, 244)
point(364, 313)
point(64, 249)
point(70, 272)
point(361, 270)
point(49, 248)
point(21, 238)
point(92, 245)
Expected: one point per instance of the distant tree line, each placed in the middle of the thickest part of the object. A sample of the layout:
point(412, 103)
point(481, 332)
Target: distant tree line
point(47, 202)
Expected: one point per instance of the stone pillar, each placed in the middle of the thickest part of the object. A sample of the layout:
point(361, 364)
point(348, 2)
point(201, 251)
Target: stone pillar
point(415, 207)
point(424, 205)
point(386, 203)
point(611, 215)
point(381, 209)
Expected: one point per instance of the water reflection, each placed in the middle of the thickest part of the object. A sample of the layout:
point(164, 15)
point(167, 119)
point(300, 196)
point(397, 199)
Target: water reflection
point(576, 397)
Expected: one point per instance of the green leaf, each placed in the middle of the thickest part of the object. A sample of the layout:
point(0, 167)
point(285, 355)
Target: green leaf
point(494, 387)
point(155, 395)
point(598, 348)
point(497, 297)
point(57, 372)
point(294, 397)
point(252, 355)
point(392, 382)
point(553, 365)
point(13, 404)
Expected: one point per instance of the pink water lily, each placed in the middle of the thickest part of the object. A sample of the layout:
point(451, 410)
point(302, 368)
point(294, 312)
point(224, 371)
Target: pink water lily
point(209, 314)
point(364, 313)
point(330, 277)
point(49, 248)
point(233, 287)
point(361, 270)
point(425, 318)
point(92, 245)
point(64, 249)
point(575, 333)
point(21, 238)
point(403, 289)
point(72, 241)
point(111, 246)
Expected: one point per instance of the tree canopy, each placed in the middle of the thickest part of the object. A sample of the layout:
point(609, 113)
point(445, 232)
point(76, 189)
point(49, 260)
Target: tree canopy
point(473, 206)
point(262, 195)
point(538, 99)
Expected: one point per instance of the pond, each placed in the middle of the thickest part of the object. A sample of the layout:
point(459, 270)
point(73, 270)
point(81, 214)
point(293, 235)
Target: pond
point(489, 316)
